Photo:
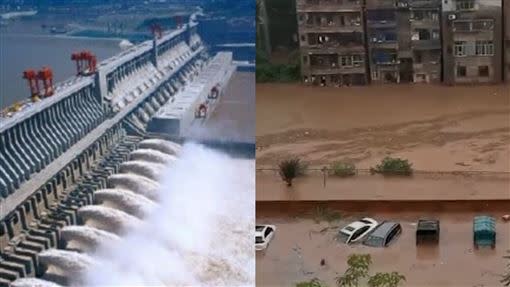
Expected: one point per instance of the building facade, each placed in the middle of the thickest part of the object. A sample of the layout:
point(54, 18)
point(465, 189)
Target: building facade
point(425, 27)
point(332, 42)
point(472, 42)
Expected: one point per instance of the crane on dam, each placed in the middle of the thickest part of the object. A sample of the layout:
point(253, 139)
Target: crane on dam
point(86, 63)
point(33, 83)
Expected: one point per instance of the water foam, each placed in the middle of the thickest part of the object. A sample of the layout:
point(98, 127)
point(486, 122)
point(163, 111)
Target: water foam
point(31, 282)
point(87, 238)
point(151, 155)
point(107, 218)
point(148, 169)
point(201, 233)
point(69, 263)
point(136, 183)
point(125, 200)
point(163, 146)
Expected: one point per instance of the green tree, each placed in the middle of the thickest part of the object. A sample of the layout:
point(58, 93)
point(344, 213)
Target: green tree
point(357, 272)
point(290, 169)
point(312, 283)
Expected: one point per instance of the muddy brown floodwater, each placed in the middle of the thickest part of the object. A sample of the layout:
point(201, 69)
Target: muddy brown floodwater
point(457, 137)
point(295, 252)
point(435, 127)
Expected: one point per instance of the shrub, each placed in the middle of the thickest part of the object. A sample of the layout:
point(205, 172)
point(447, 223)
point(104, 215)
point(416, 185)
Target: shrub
point(343, 169)
point(393, 166)
point(290, 169)
point(312, 283)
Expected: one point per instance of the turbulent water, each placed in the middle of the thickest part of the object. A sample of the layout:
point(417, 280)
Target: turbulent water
point(70, 263)
point(107, 218)
point(161, 145)
point(148, 169)
point(136, 183)
point(151, 155)
point(86, 238)
point(31, 282)
point(200, 234)
point(125, 200)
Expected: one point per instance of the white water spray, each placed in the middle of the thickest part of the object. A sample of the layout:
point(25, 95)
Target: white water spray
point(107, 218)
point(148, 169)
point(65, 262)
point(86, 238)
point(33, 282)
point(201, 234)
point(125, 200)
point(136, 183)
point(163, 146)
point(151, 155)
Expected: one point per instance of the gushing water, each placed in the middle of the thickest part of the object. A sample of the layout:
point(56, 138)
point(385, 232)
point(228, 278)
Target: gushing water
point(148, 169)
point(125, 200)
point(161, 145)
point(107, 218)
point(151, 155)
point(33, 282)
point(86, 238)
point(67, 263)
point(200, 234)
point(136, 183)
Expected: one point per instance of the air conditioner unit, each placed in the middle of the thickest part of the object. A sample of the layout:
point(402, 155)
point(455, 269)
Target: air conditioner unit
point(452, 17)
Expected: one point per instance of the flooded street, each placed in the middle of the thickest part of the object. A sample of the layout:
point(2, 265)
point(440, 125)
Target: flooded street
point(299, 244)
point(437, 128)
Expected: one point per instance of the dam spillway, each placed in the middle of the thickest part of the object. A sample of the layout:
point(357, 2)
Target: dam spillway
point(92, 134)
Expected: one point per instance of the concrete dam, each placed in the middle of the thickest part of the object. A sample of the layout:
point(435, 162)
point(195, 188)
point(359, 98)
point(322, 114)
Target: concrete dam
point(80, 166)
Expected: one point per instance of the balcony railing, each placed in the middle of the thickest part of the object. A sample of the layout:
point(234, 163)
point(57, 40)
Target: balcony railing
point(328, 5)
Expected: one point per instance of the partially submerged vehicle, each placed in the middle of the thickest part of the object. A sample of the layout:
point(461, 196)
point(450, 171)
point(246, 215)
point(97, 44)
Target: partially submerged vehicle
point(356, 230)
point(427, 230)
point(484, 231)
point(263, 235)
point(384, 234)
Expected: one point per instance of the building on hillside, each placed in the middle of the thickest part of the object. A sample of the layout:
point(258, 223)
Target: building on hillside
point(332, 42)
point(472, 42)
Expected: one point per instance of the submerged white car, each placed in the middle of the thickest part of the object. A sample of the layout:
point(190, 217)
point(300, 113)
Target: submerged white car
point(263, 234)
point(356, 230)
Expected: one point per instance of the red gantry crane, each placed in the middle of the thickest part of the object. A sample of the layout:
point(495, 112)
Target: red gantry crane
point(46, 76)
point(86, 63)
point(33, 84)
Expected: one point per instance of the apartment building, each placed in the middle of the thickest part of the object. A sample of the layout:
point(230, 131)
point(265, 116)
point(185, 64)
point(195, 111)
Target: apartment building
point(472, 42)
point(389, 45)
point(425, 27)
point(332, 42)
point(506, 19)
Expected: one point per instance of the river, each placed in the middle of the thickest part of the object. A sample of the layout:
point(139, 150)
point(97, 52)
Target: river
point(25, 45)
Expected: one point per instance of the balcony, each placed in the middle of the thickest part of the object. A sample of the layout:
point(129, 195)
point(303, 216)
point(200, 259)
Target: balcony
point(320, 70)
point(382, 24)
point(434, 44)
point(328, 5)
point(424, 3)
point(310, 28)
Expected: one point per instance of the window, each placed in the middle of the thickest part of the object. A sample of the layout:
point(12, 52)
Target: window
point(484, 48)
point(359, 232)
point(267, 232)
point(392, 234)
point(305, 59)
point(258, 240)
point(357, 60)
point(435, 34)
point(460, 48)
point(465, 4)
point(483, 71)
point(346, 61)
point(461, 71)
